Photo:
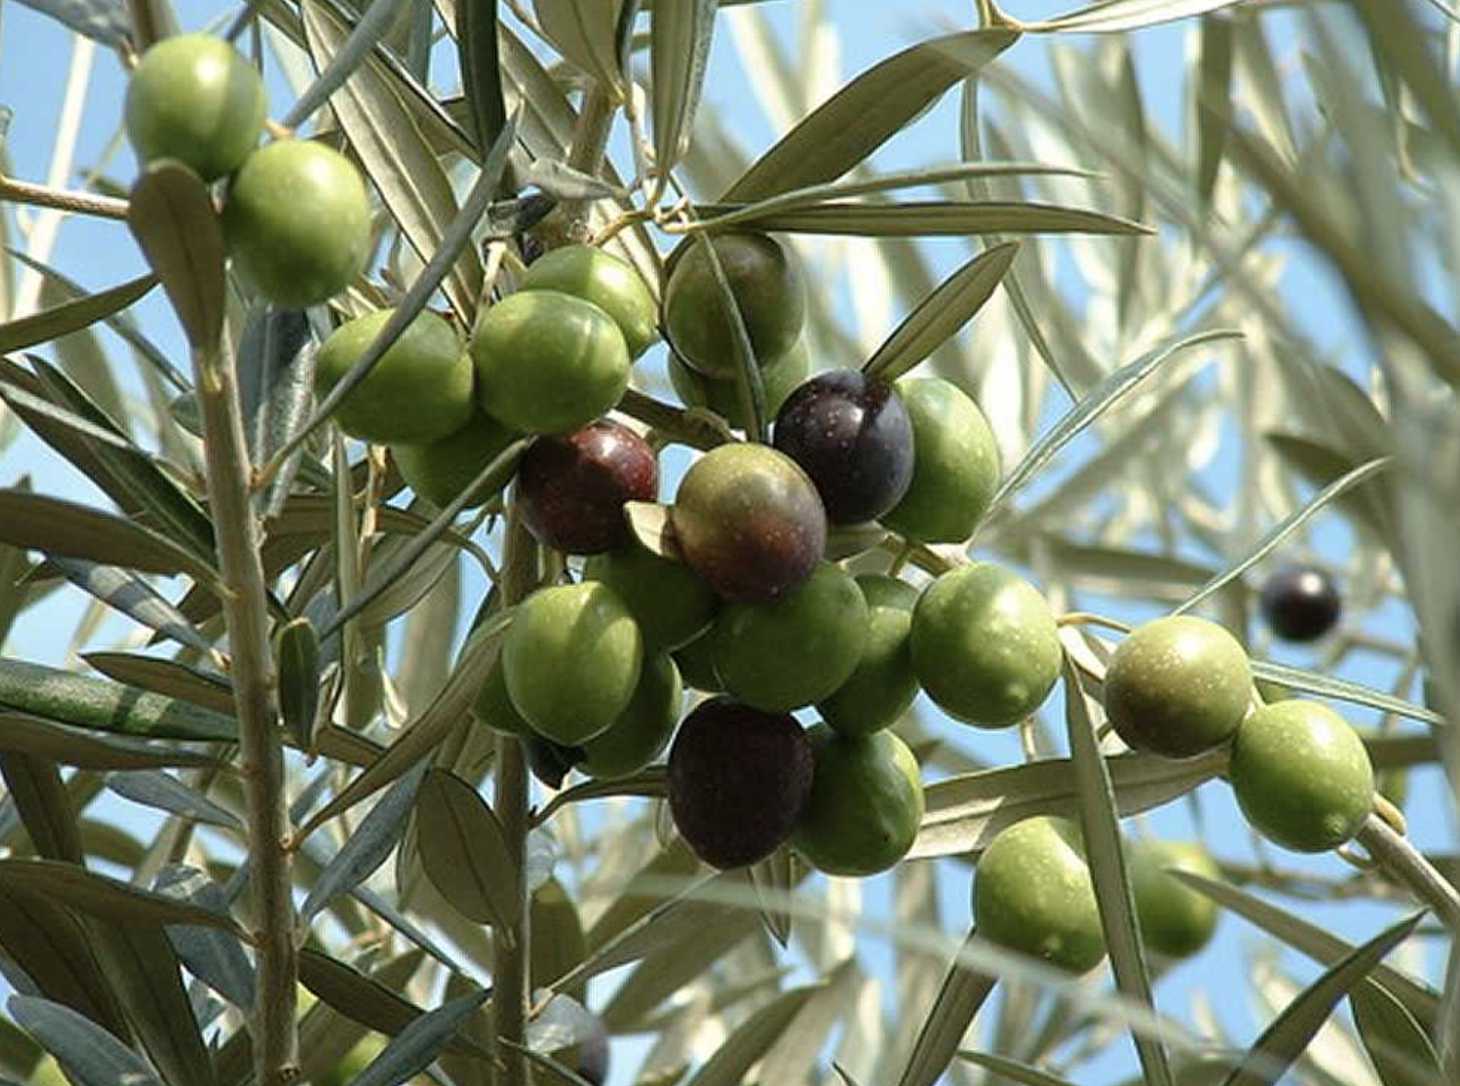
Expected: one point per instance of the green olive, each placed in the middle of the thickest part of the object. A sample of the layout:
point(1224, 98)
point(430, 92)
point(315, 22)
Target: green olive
point(297, 222)
point(779, 378)
point(1302, 776)
point(493, 705)
point(955, 463)
point(440, 470)
point(796, 649)
point(606, 281)
point(672, 604)
point(765, 281)
point(696, 662)
point(194, 98)
point(641, 732)
point(984, 645)
point(420, 390)
point(1032, 893)
point(866, 803)
point(547, 362)
point(1177, 686)
point(571, 658)
point(1175, 920)
point(884, 684)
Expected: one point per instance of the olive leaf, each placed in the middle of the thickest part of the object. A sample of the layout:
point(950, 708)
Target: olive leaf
point(72, 316)
point(172, 217)
point(476, 50)
point(679, 53)
point(959, 999)
point(416, 1046)
point(585, 32)
point(84, 1048)
point(465, 853)
point(1117, 16)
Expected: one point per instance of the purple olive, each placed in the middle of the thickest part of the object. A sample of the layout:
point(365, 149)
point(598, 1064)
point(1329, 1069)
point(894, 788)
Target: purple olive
point(739, 780)
point(1301, 603)
point(573, 487)
point(854, 438)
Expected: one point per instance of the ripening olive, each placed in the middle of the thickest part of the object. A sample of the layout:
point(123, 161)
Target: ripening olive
point(1301, 603)
point(572, 488)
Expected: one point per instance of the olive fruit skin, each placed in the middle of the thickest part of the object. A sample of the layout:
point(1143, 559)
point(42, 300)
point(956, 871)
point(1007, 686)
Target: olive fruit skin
point(547, 362)
point(419, 391)
point(642, 730)
point(297, 222)
point(1032, 892)
point(749, 521)
point(985, 645)
point(854, 438)
point(1302, 776)
point(1177, 686)
point(765, 280)
point(573, 487)
point(696, 662)
point(955, 463)
point(884, 683)
point(672, 605)
point(796, 649)
point(739, 780)
point(440, 470)
point(571, 658)
point(194, 98)
point(1301, 603)
point(778, 378)
point(493, 705)
point(866, 803)
point(1175, 920)
point(603, 279)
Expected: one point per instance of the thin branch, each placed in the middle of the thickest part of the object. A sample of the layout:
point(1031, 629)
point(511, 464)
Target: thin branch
point(1408, 866)
point(81, 203)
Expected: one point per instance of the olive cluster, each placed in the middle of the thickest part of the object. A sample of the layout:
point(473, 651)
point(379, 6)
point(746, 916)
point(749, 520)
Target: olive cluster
point(296, 217)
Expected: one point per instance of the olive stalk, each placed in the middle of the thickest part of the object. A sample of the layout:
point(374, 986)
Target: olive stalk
point(511, 944)
point(255, 694)
point(1398, 857)
point(697, 429)
point(81, 203)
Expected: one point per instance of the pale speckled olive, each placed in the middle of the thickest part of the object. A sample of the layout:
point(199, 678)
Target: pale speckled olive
point(884, 684)
point(297, 222)
point(420, 390)
point(1175, 920)
point(548, 362)
point(765, 281)
point(955, 463)
point(866, 803)
point(194, 98)
point(672, 604)
point(984, 645)
point(1302, 776)
point(641, 732)
point(572, 657)
point(439, 471)
point(603, 279)
point(796, 649)
point(749, 521)
point(779, 378)
point(1032, 893)
point(1177, 686)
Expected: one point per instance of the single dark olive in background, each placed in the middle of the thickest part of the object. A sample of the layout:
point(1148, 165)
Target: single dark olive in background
point(854, 438)
point(1301, 603)
point(572, 488)
point(765, 280)
point(739, 780)
point(749, 521)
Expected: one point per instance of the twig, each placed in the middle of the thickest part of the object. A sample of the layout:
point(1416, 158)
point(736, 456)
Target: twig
point(1404, 863)
point(698, 430)
point(82, 203)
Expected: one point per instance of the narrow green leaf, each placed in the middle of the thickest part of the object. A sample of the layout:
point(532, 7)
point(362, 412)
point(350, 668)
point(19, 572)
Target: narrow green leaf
point(1104, 396)
point(416, 1047)
point(84, 1048)
point(586, 33)
point(1099, 821)
point(679, 54)
point(464, 851)
point(134, 598)
point(678, 960)
point(163, 792)
point(1012, 1070)
point(1290, 1033)
point(1402, 1052)
point(481, 79)
point(962, 993)
point(1418, 999)
point(35, 787)
point(296, 652)
point(172, 217)
point(1329, 686)
point(1213, 113)
point(275, 365)
point(22, 734)
point(106, 706)
point(70, 317)
point(207, 689)
point(103, 21)
point(931, 218)
point(773, 879)
point(734, 1057)
point(345, 56)
point(940, 316)
point(794, 1056)
point(1119, 16)
point(846, 129)
point(106, 898)
point(1321, 465)
point(213, 956)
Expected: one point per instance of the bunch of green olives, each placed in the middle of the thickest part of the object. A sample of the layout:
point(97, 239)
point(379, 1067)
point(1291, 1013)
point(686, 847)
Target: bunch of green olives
point(296, 216)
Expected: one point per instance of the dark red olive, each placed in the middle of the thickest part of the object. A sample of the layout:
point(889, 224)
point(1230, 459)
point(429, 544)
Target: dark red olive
point(572, 487)
point(1301, 603)
point(854, 438)
point(550, 762)
point(739, 780)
